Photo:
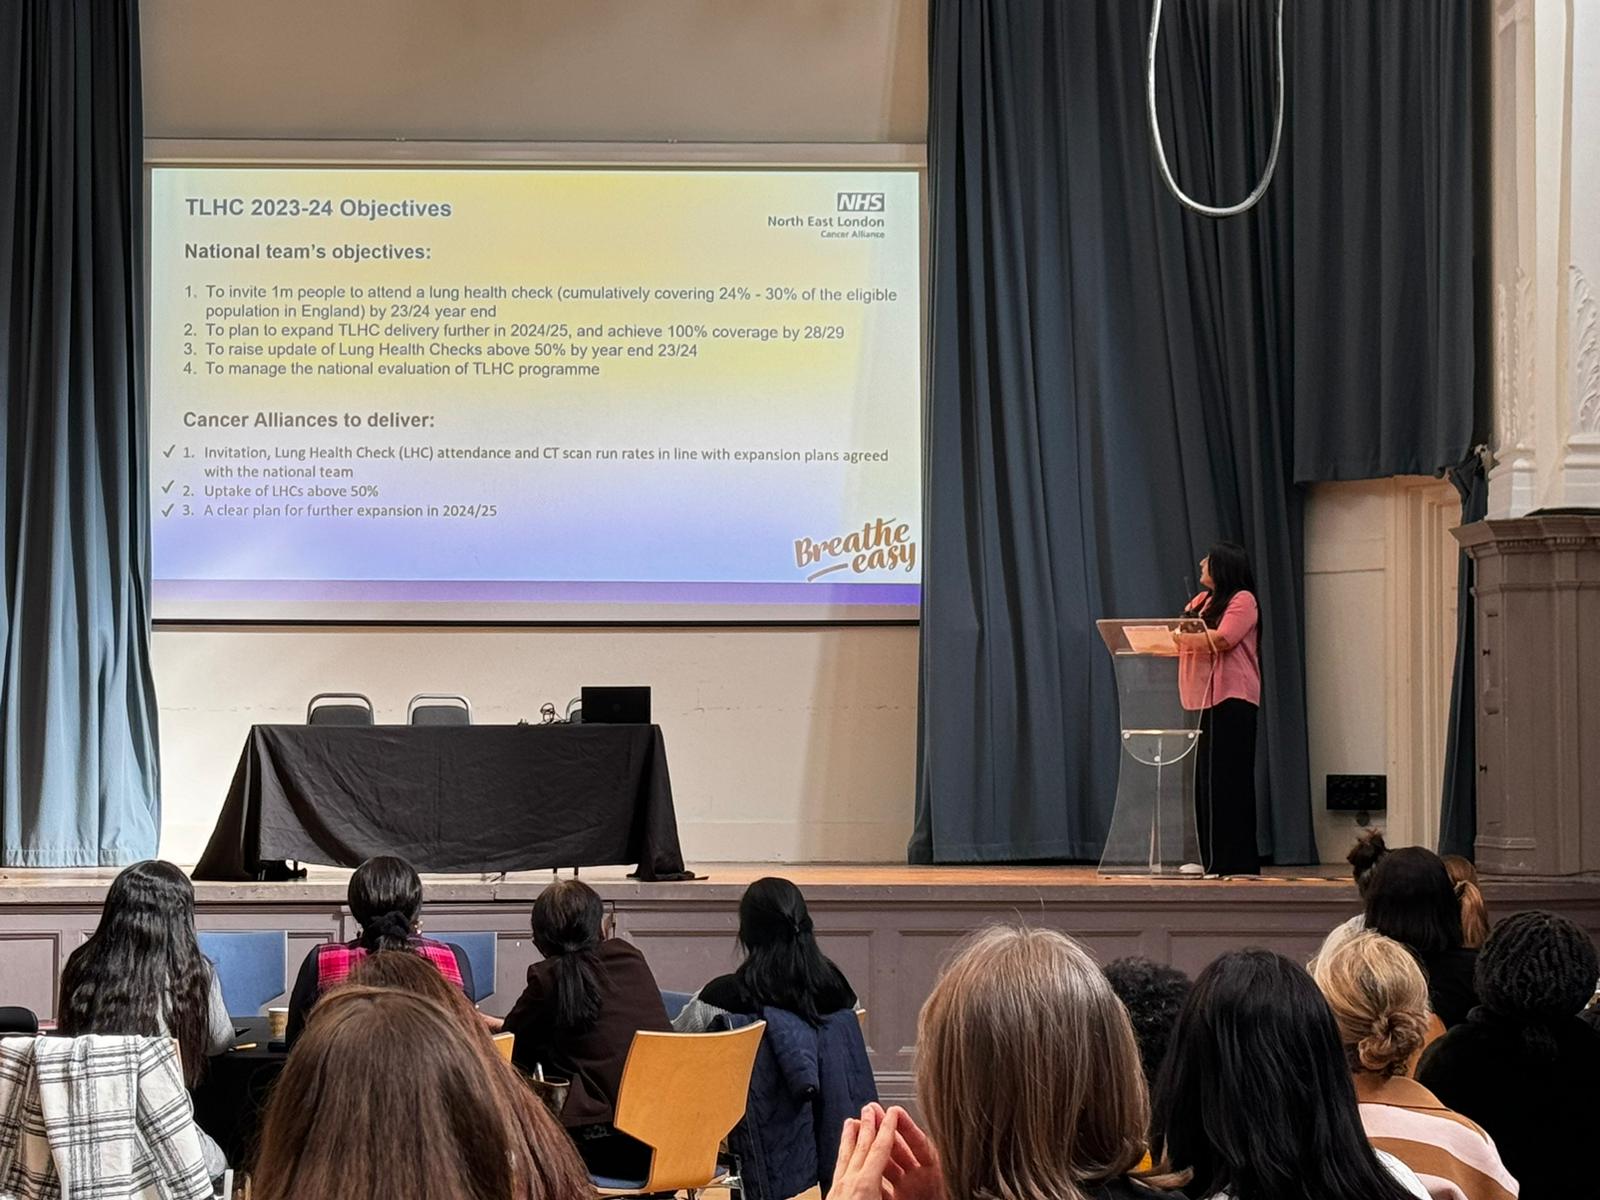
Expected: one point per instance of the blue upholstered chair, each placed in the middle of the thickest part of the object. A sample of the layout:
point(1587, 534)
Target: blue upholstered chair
point(252, 966)
point(675, 1002)
point(481, 950)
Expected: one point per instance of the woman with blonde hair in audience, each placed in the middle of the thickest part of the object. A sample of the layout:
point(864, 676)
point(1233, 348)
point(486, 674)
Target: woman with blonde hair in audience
point(1255, 1100)
point(391, 1096)
point(1029, 1078)
point(1379, 996)
point(1474, 912)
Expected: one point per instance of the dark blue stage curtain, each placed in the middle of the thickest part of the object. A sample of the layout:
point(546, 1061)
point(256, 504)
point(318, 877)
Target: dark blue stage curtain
point(1458, 816)
point(77, 707)
point(1116, 382)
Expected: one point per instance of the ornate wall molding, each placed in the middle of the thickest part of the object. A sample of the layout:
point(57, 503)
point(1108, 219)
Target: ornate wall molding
point(1514, 340)
point(1584, 352)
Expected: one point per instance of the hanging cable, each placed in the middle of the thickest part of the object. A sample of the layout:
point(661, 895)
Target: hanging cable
point(1260, 189)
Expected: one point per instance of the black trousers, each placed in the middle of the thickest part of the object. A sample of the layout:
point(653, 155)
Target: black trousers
point(1225, 789)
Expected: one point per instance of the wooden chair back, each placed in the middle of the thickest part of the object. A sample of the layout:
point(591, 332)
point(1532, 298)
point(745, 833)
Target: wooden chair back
point(681, 1094)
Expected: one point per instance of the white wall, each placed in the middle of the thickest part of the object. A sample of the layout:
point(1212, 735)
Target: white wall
point(1380, 643)
point(784, 744)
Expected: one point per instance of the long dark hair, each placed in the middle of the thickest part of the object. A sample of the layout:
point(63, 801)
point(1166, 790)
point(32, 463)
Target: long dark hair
point(783, 966)
point(567, 919)
point(1255, 1096)
point(141, 971)
point(1410, 898)
point(1230, 575)
point(345, 1117)
point(385, 899)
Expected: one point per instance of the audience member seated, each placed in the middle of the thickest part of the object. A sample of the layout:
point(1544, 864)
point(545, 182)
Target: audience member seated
point(783, 967)
point(1524, 1066)
point(1255, 1100)
point(390, 1096)
point(1474, 912)
point(141, 973)
point(577, 1017)
point(1153, 994)
point(407, 972)
point(1029, 1080)
point(1380, 998)
point(1412, 900)
point(385, 898)
point(1363, 858)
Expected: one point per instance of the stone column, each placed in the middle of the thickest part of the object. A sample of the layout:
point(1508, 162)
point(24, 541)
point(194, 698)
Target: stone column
point(1538, 693)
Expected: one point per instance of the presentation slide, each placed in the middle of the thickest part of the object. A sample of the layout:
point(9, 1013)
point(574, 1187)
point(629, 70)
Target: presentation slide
point(487, 393)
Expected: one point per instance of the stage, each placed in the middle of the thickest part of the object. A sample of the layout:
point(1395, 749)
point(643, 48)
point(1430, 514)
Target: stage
point(889, 926)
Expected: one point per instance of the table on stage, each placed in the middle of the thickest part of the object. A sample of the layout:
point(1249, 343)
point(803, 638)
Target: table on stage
point(470, 799)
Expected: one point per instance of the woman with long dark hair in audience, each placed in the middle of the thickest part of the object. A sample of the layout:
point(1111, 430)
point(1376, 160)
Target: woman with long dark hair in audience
point(385, 897)
point(1379, 996)
point(1028, 1078)
point(1220, 675)
point(141, 973)
point(576, 1019)
point(1524, 1065)
point(1412, 900)
point(391, 1096)
point(1474, 912)
point(1255, 1100)
point(783, 966)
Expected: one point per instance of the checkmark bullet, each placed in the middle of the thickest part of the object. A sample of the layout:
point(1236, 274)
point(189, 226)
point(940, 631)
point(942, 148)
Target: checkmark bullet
point(166, 510)
point(167, 453)
point(167, 487)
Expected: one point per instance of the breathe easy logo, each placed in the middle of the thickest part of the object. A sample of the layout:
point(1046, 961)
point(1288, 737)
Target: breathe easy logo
point(860, 202)
point(882, 544)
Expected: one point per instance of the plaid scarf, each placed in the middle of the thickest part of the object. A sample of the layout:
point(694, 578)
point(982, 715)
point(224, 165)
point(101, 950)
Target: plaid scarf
point(97, 1118)
point(335, 962)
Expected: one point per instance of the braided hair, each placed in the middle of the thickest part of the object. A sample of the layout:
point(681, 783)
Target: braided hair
point(567, 919)
point(1537, 970)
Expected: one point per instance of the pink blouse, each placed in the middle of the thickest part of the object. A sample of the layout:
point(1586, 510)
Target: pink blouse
point(1236, 672)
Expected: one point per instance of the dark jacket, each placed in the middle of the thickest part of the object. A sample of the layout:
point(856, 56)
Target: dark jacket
point(592, 1058)
point(808, 1080)
point(1451, 990)
point(1533, 1096)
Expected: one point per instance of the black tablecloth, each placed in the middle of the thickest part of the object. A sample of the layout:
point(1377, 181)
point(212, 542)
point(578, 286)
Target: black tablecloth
point(229, 1100)
point(479, 798)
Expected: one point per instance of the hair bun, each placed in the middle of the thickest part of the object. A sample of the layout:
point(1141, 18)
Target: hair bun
point(1393, 1039)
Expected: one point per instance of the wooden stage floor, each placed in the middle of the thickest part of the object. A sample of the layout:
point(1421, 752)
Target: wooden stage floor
point(75, 884)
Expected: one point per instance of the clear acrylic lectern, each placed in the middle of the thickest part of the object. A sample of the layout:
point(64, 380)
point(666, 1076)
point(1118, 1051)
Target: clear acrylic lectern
point(1153, 829)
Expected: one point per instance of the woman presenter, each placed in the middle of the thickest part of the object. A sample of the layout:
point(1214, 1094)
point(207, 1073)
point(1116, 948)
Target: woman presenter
point(1220, 676)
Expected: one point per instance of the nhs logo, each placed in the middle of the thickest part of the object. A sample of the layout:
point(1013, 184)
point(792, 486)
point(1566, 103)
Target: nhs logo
point(860, 202)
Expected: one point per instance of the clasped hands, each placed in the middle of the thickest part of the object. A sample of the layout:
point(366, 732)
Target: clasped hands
point(885, 1156)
